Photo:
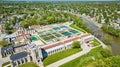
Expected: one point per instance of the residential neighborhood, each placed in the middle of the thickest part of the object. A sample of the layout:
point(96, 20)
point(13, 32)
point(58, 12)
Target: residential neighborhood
point(57, 33)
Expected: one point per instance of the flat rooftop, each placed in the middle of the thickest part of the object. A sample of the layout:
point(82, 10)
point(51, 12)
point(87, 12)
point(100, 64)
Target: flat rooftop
point(18, 56)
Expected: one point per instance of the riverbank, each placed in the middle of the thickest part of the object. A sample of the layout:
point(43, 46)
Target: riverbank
point(113, 41)
point(95, 22)
point(111, 30)
point(85, 50)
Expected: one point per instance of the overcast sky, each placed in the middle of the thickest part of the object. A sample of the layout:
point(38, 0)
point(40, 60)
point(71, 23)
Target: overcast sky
point(60, 0)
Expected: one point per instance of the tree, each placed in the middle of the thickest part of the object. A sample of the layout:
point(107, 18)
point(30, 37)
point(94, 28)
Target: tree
point(25, 24)
point(106, 62)
point(3, 43)
point(9, 28)
point(76, 44)
point(106, 52)
point(99, 19)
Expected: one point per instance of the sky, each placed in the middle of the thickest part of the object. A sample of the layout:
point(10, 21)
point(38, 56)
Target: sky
point(60, 0)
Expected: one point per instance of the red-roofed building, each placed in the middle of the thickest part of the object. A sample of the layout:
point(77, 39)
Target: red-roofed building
point(62, 45)
point(69, 40)
point(84, 35)
point(86, 38)
point(53, 45)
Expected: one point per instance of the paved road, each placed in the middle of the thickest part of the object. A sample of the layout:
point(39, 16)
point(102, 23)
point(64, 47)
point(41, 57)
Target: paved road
point(85, 50)
point(3, 60)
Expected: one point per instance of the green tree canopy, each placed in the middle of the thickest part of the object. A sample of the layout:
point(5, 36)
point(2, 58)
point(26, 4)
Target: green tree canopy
point(107, 62)
point(76, 44)
point(3, 43)
point(106, 52)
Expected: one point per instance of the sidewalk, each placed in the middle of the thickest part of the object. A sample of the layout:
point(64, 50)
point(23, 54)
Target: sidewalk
point(103, 45)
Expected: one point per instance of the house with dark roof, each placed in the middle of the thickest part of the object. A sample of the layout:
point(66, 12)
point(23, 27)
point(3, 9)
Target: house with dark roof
point(31, 53)
point(19, 58)
point(7, 50)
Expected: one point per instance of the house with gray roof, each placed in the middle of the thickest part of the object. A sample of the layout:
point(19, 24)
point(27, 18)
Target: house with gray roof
point(19, 58)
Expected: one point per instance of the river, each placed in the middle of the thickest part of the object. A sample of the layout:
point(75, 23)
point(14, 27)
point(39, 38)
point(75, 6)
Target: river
point(113, 41)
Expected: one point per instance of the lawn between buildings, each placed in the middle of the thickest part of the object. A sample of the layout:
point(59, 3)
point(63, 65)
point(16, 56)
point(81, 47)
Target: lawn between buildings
point(95, 42)
point(86, 59)
point(6, 63)
point(29, 64)
point(60, 55)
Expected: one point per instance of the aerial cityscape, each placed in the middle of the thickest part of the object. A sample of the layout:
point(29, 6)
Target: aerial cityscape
point(60, 33)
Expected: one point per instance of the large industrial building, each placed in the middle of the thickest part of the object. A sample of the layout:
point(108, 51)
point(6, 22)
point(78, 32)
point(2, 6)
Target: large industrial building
point(43, 41)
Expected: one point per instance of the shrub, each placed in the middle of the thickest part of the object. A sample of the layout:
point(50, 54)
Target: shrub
point(106, 53)
point(76, 44)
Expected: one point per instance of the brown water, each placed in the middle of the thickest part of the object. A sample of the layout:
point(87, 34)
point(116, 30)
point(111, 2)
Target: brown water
point(113, 41)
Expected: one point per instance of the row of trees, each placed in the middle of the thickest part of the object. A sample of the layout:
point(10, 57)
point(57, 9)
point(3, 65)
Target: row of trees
point(108, 59)
point(108, 62)
point(111, 30)
point(48, 17)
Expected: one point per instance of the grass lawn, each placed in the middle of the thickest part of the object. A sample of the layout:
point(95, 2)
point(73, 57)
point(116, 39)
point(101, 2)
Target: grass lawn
point(60, 55)
point(4, 64)
point(113, 61)
point(78, 28)
point(86, 59)
point(4, 56)
point(95, 42)
point(29, 64)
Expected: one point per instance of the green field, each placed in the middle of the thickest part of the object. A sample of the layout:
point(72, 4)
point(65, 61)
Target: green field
point(4, 64)
point(29, 64)
point(86, 59)
point(95, 42)
point(60, 55)
point(113, 61)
